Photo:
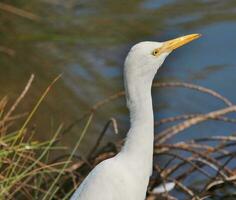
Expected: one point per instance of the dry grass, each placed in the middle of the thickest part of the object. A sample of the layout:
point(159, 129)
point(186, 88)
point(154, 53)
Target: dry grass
point(203, 168)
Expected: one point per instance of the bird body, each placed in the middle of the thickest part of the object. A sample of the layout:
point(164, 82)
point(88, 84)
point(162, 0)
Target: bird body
point(126, 176)
point(113, 181)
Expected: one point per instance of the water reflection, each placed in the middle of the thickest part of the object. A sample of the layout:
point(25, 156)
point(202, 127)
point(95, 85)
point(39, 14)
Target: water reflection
point(88, 41)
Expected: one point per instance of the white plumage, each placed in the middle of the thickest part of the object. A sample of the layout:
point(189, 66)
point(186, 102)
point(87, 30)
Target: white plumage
point(126, 176)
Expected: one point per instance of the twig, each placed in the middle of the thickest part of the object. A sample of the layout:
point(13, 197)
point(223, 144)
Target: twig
point(19, 98)
point(6, 50)
point(14, 106)
point(186, 148)
point(190, 116)
point(19, 12)
point(194, 87)
point(101, 135)
point(3, 103)
point(221, 182)
point(170, 132)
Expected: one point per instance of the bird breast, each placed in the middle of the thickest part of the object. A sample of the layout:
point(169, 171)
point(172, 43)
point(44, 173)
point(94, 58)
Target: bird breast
point(112, 180)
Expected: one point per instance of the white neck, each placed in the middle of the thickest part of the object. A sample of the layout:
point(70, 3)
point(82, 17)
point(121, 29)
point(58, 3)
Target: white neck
point(139, 142)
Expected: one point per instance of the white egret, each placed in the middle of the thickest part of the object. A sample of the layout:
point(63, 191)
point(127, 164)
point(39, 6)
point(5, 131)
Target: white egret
point(126, 176)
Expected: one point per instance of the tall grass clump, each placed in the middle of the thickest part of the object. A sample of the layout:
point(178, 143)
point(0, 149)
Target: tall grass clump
point(25, 172)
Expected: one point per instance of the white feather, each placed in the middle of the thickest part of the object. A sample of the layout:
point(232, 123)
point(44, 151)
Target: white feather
point(165, 187)
point(126, 176)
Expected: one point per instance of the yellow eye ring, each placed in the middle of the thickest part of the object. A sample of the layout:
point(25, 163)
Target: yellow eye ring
point(155, 52)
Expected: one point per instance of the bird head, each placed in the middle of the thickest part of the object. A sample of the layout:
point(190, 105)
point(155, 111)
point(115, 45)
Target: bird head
point(145, 58)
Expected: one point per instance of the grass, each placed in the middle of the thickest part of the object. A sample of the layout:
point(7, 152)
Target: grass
point(23, 162)
point(26, 172)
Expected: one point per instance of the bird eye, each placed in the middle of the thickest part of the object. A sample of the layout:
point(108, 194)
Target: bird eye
point(155, 52)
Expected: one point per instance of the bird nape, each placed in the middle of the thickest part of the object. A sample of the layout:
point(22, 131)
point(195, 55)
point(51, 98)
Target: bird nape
point(126, 176)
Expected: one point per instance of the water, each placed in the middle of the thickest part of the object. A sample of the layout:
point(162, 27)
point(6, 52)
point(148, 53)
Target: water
point(87, 41)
